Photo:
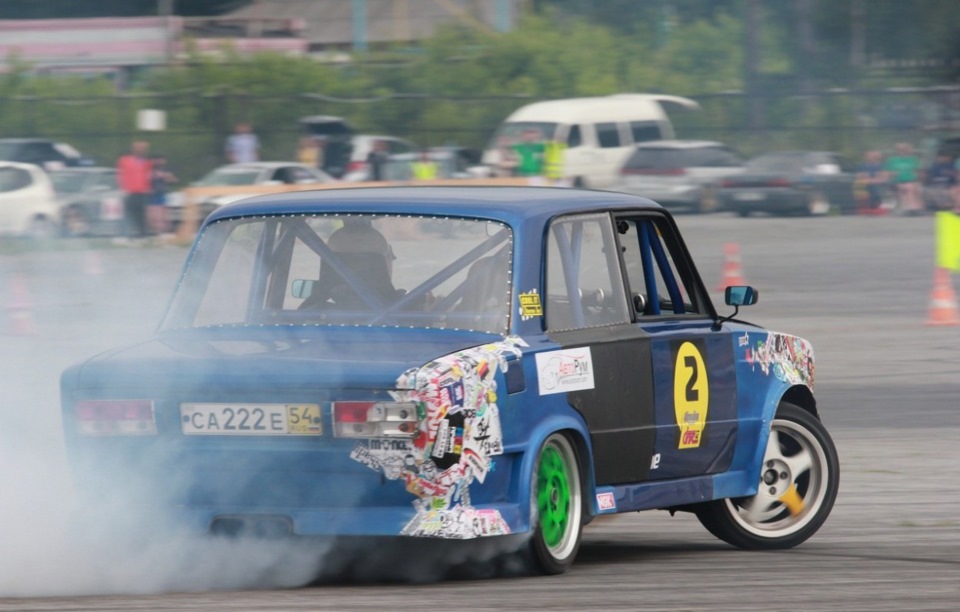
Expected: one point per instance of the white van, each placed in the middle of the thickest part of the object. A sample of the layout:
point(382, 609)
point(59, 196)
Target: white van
point(599, 132)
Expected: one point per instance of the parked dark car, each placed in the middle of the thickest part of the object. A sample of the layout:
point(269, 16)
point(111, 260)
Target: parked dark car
point(790, 182)
point(679, 174)
point(91, 203)
point(47, 154)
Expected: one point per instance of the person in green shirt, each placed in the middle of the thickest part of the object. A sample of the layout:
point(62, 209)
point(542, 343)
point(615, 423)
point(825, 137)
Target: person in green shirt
point(529, 153)
point(904, 172)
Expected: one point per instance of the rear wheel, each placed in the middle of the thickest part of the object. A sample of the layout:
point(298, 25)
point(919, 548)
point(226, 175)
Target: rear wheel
point(798, 485)
point(557, 505)
point(75, 222)
point(708, 200)
point(41, 228)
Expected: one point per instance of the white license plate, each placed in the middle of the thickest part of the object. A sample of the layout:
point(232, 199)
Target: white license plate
point(250, 419)
point(748, 196)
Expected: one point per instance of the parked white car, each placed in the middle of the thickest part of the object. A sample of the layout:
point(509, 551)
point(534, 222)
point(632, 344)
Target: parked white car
point(679, 174)
point(28, 203)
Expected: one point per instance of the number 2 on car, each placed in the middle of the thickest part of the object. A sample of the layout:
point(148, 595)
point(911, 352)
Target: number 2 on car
point(250, 419)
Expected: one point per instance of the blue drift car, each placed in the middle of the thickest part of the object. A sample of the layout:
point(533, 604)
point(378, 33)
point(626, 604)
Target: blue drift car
point(454, 362)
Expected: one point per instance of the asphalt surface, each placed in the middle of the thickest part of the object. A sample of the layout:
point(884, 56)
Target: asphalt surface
point(888, 386)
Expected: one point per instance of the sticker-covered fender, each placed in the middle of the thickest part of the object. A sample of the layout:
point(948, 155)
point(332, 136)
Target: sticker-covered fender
point(768, 364)
point(458, 435)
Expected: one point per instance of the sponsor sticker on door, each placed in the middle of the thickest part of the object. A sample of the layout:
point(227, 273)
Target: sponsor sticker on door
point(565, 370)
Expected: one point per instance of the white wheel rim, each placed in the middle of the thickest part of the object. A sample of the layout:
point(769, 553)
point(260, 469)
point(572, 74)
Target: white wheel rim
point(795, 473)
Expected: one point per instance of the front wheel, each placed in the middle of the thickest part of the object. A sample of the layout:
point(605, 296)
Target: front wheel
point(557, 506)
point(798, 484)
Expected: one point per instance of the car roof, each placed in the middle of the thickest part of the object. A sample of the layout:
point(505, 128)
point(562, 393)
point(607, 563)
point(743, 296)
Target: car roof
point(27, 140)
point(83, 169)
point(264, 165)
point(21, 165)
point(679, 144)
point(508, 204)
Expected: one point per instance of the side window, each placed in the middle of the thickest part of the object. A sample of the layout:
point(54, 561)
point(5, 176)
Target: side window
point(584, 287)
point(12, 179)
point(38, 152)
point(574, 138)
point(608, 135)
point(643, 131)
point(659, 280)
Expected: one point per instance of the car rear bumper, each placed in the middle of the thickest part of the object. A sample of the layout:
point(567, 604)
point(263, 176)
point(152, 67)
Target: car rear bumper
point(764, 200)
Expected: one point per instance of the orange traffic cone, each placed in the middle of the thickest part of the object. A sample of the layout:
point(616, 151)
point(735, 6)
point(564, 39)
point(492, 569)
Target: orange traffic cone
point(943, 300)
point(732, 270)
point(20, 308)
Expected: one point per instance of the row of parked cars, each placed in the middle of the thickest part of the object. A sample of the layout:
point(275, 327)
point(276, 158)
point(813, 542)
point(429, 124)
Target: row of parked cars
point(48, 187)
point(77, 199)
point(706, 176)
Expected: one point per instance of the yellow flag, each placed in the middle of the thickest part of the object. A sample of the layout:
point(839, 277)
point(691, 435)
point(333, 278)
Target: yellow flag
point(948, 240)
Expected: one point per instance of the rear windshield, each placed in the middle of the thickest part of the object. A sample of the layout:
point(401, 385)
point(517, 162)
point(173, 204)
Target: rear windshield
point(359, 270)
point(791, 161)
point(702, 157)
point(68, 182)
point(230, 176)
point(511, 133)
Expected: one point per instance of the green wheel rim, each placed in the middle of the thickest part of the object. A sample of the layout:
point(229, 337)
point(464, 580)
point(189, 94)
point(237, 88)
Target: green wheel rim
point(553, 497)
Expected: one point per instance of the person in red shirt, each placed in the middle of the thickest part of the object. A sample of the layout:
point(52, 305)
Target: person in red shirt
point(133, 175)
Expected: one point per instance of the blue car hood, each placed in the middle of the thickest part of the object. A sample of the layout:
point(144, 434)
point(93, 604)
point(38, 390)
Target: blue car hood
point(238, 359)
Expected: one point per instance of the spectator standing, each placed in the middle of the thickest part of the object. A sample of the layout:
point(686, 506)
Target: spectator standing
point(505, 162)
point(377, 161)
point(904, 169)
point(160, 180)
point(133, 176)
point(424, 168)
point(553, 154)
point(529, 153)
point(940, 180)
point(309, 152)
point(243, 146)
point(871, 179)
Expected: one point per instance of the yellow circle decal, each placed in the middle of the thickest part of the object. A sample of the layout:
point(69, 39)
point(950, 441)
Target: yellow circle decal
point(691, 394)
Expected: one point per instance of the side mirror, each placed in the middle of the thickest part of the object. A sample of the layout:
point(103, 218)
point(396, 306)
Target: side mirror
point(740, 295)
point(301, 289)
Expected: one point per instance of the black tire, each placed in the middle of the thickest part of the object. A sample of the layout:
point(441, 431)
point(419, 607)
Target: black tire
point(41, 228)
point(556, 506)
point(708, 202)
point(800, 449)
point(75, 222)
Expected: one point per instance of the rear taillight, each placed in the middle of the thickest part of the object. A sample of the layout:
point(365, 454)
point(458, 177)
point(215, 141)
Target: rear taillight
point(115, 418)
point(374, 420)
point(779, 183)
point(356, 166)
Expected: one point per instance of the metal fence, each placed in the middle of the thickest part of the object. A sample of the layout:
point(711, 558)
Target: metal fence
point(848, 121)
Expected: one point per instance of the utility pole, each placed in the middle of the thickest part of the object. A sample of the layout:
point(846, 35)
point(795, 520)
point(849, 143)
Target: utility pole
point(358, 9)
point(858, 33)
point(751, 63)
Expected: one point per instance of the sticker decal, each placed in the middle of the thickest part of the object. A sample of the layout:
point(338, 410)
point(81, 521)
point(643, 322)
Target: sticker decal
point(691, 394)
point(565, 370)
point(459, 434)
point(789, 358)
point(606, 501)
point(530, 305)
